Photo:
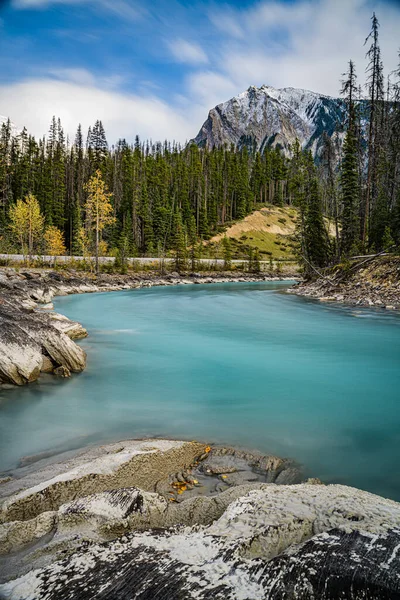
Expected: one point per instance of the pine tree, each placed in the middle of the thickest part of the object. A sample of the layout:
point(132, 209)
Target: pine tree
point(316, 236)
point(376, 96)
point(349, 176)
point(350, 195)
point(227, 252)
point(179, 243)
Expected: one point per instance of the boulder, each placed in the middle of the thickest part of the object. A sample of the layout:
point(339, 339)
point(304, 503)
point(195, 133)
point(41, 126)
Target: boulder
point(20, 355)
point(63, 372)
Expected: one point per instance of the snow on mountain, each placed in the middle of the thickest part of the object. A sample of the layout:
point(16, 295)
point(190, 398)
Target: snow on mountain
point(268, 117)
point(14, 130)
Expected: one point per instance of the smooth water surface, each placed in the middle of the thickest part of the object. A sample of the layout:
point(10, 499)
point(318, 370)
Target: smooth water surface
point(238, 363)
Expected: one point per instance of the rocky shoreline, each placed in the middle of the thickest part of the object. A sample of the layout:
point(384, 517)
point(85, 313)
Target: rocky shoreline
point(169, 519)
point(375, 283)
point(34, 340)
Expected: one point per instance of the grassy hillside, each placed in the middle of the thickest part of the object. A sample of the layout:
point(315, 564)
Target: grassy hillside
point(270, 229)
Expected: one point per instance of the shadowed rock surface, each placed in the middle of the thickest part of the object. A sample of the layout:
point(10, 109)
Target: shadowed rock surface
point(238, 557)
point(266, 117)
point(156, 523)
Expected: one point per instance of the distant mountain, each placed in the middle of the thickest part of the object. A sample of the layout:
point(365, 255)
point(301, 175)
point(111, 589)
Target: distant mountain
point(14, 130)
point(268, 117)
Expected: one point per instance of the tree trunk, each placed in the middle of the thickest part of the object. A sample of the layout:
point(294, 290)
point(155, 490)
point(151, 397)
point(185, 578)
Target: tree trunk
point(97, 245)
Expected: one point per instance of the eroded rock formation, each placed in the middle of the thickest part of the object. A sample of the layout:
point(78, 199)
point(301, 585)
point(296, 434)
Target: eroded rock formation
point(252, 541)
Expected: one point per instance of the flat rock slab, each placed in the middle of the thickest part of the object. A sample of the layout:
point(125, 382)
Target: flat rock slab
point(129, 463)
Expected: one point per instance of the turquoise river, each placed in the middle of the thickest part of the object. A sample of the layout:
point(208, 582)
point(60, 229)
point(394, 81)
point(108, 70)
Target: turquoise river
point(243, 364)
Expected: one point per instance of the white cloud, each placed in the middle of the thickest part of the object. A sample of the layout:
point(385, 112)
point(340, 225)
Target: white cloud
point(306, 45)
point(209, 88)
point(187, 52)
point(32, 103)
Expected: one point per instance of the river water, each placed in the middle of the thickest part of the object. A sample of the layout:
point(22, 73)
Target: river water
point(243, 364)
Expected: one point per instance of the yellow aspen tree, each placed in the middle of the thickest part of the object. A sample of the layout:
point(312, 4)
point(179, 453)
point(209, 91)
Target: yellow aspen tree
point(26, 222)
point(83, 242)
point(103, 248)
point(54, 240)
point(98, 209)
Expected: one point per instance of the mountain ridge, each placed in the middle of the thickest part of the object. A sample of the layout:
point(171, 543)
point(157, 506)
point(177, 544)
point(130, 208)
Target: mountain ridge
point(265, 116)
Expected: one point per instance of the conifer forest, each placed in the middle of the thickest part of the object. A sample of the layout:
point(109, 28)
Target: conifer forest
point(158, 199)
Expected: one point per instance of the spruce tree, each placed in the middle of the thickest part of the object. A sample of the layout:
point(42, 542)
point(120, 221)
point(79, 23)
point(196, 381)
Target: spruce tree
point(375, 87)
point(227, 252)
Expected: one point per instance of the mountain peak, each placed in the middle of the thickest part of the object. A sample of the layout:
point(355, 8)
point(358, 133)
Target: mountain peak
point(265, 116)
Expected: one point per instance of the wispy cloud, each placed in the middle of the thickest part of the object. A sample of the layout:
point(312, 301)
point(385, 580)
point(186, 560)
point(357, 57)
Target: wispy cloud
point(122, 8)
point(187, 52)
point(306, 44)
point(86, 78)
point(217, 54)
point(38, 4)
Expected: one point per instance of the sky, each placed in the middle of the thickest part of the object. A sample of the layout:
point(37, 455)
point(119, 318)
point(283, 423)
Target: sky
point(156, 67)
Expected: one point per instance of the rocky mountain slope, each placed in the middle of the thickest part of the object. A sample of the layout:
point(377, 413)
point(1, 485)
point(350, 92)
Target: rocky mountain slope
point(268, 117)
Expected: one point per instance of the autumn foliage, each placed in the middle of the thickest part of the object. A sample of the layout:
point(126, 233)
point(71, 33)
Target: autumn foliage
point(26, 222)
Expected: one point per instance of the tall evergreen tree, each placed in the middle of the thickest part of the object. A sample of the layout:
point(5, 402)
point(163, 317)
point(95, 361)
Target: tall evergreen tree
point(349, 169)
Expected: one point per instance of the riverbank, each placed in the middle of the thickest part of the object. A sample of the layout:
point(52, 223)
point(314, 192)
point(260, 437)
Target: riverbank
point(375, 283)
point(34, 340)
point(169, 519)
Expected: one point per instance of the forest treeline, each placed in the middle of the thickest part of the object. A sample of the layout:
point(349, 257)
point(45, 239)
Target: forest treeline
point(156, 199)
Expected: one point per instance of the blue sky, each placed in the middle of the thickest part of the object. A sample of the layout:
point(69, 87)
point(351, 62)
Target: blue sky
point(156, 68)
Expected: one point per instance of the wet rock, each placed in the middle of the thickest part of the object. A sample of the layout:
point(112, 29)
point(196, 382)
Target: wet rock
point(288, 476)
point(241, 477)
point(112, 512)
point(17, 534)
point(47, 365)
point(26, 336)
point(20, 355)
point(62, 372)
point(49, 306)
point(314, 481)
